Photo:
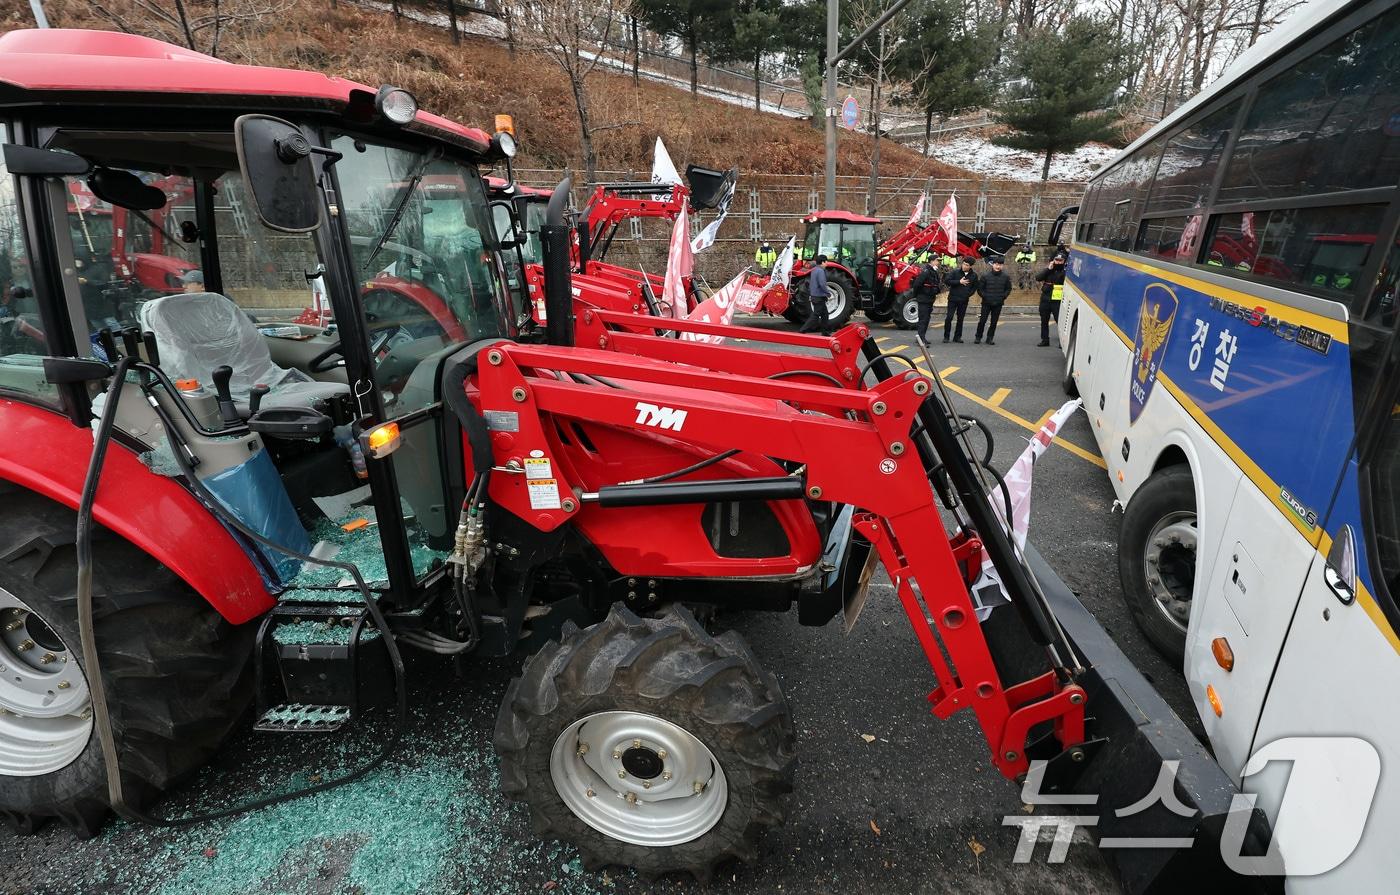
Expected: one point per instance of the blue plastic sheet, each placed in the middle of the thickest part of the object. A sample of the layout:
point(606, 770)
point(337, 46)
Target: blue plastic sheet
point(254, 493)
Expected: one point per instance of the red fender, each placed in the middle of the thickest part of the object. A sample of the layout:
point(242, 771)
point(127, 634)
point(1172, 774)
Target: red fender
point(47, 454)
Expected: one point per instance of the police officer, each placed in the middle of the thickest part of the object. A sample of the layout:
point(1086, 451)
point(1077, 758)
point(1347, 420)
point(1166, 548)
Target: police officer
point(1025, 261)
point(926, 287)
point(765, 257)
point(995, 289)
point(961, 283)
point(1052, 280)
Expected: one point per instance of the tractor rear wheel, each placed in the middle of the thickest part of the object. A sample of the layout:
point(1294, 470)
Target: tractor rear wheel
point(647, 743)
point(176, 674)
point(842, 301)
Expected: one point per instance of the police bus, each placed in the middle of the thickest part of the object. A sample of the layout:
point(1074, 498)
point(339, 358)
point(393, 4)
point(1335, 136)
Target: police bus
point(1229, 319)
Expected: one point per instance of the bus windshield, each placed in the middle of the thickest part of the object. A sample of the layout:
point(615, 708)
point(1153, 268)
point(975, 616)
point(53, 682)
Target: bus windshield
point(440, 250)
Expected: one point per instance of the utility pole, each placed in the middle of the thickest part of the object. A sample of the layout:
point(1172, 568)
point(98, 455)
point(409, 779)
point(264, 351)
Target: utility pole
point(40, 19)
point(833, 16)
point(833, 58)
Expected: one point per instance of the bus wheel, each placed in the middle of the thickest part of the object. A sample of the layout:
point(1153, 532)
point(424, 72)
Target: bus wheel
point(1157, 558)
point(1067, 381)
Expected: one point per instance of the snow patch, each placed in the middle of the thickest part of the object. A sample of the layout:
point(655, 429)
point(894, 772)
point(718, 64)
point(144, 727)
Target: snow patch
point(981, 155)
point(467, 22)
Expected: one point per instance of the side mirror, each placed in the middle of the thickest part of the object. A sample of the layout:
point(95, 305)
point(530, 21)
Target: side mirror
point(1058, 227)
point(509, 233)
point(274, 158)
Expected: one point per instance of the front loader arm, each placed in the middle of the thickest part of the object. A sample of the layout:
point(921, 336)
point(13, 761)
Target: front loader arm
point(853, 447)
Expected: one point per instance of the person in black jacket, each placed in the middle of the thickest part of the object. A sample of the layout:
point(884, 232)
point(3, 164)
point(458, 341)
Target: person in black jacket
point(995, 288)
point(961, 283)
point(1052, 280)
point(926, 287)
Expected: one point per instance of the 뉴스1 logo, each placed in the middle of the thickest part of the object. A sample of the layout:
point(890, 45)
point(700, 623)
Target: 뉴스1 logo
point(660, 417)
point(1154, 329)
point(1299, 509)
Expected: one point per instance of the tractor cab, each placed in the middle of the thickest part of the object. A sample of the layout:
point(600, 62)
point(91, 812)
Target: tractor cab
point(846, 239)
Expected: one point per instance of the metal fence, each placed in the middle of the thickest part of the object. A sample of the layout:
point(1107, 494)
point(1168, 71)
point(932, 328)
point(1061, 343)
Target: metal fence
point(772, 207)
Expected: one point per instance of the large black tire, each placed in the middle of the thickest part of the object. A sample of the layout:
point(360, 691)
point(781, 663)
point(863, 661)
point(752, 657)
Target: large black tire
point(843, 295)
point(177, 676)
point(906, 310)
point(880, 315)
point(1156, 564)
point(669, 668)
point(1067, 382)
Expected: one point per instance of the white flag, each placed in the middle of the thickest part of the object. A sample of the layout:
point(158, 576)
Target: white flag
point(989, 591)
point(782, 268)
point(663, 170)
point(680, 262)
point(707, 236)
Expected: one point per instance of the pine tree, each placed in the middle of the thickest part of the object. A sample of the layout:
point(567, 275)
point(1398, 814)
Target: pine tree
point(947, 62)
point(1070, 79)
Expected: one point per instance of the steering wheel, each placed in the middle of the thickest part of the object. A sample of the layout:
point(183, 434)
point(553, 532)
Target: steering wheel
point(322, 362)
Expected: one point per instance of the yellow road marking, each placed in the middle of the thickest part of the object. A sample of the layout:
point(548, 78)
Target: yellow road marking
point(948, 371)
point(998, 396)
point(1018, 420)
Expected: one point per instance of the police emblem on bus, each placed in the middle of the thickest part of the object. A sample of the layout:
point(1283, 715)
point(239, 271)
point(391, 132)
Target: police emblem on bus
point(1154, 328)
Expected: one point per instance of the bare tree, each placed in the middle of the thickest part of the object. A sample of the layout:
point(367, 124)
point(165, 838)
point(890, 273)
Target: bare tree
point(574, 37)
point(197, 24)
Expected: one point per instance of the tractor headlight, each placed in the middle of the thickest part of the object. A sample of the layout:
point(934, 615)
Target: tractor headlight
point(506, 144)
point(396, 104)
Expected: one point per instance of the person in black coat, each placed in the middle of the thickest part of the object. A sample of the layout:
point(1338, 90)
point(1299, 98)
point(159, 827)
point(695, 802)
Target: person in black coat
point(995, 288)
point(926, 286)
point(1052, 285)
point(961, 283)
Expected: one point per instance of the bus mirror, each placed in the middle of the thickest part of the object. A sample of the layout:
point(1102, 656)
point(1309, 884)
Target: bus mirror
point(1340, 570)
point(1057, 228)
point(43, 162)
point(275, 160)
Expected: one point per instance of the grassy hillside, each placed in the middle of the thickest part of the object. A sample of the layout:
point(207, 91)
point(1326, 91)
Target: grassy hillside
point(478, 79)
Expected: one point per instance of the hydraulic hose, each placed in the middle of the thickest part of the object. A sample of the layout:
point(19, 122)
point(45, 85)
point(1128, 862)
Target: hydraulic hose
point(102, 720)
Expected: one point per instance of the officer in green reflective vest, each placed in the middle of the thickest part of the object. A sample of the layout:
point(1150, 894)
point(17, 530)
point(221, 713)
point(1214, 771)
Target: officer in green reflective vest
point(765, 256)
point(1025, 261)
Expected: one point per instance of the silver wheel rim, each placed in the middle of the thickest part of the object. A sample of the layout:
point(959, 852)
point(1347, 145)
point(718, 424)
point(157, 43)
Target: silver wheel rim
point(45, 707)
point(1170, 557)
point(835, 300)
point(638, 778)
point(910, 312)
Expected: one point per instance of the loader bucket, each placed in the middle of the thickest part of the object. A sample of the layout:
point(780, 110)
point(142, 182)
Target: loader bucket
point(708, 186)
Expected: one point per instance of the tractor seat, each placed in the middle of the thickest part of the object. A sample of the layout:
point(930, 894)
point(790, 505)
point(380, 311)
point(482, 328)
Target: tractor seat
point(200, 332)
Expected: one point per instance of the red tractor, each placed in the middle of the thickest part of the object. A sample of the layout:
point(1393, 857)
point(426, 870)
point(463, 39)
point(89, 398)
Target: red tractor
point(866, 276)
point(174, 554)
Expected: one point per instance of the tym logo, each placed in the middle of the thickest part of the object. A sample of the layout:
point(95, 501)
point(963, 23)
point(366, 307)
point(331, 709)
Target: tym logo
point(661, 417)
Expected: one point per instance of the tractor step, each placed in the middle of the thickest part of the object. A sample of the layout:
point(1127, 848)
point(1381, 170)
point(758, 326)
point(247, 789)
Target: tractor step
point(318, 660)
point(297, 717)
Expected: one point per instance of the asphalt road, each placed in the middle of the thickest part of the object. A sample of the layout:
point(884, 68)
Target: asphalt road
point(888, 799)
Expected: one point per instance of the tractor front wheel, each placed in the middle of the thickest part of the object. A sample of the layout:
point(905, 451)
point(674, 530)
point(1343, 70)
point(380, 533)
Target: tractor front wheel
point(841, 303)
point(176, 674)
point(906, 311)
point(647, 743)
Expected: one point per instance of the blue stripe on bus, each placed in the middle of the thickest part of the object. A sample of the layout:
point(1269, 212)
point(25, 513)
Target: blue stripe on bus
point(1284, 398)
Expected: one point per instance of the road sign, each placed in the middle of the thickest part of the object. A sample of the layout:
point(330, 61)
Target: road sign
point(850, 112)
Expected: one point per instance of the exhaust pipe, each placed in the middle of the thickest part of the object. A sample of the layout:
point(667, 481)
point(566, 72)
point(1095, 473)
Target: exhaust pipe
point(555, 236)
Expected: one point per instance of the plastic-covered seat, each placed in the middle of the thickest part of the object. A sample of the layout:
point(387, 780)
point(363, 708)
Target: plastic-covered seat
point(199, 332)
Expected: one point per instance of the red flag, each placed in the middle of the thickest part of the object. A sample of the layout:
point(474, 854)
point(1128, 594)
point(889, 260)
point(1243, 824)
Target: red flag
point(918, 211)
point(948, 223)
point(680, 262)
point(718, 308)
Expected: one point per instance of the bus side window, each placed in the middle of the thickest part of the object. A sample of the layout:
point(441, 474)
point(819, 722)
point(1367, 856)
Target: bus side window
point(1382, 469)
point(1320, 249)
